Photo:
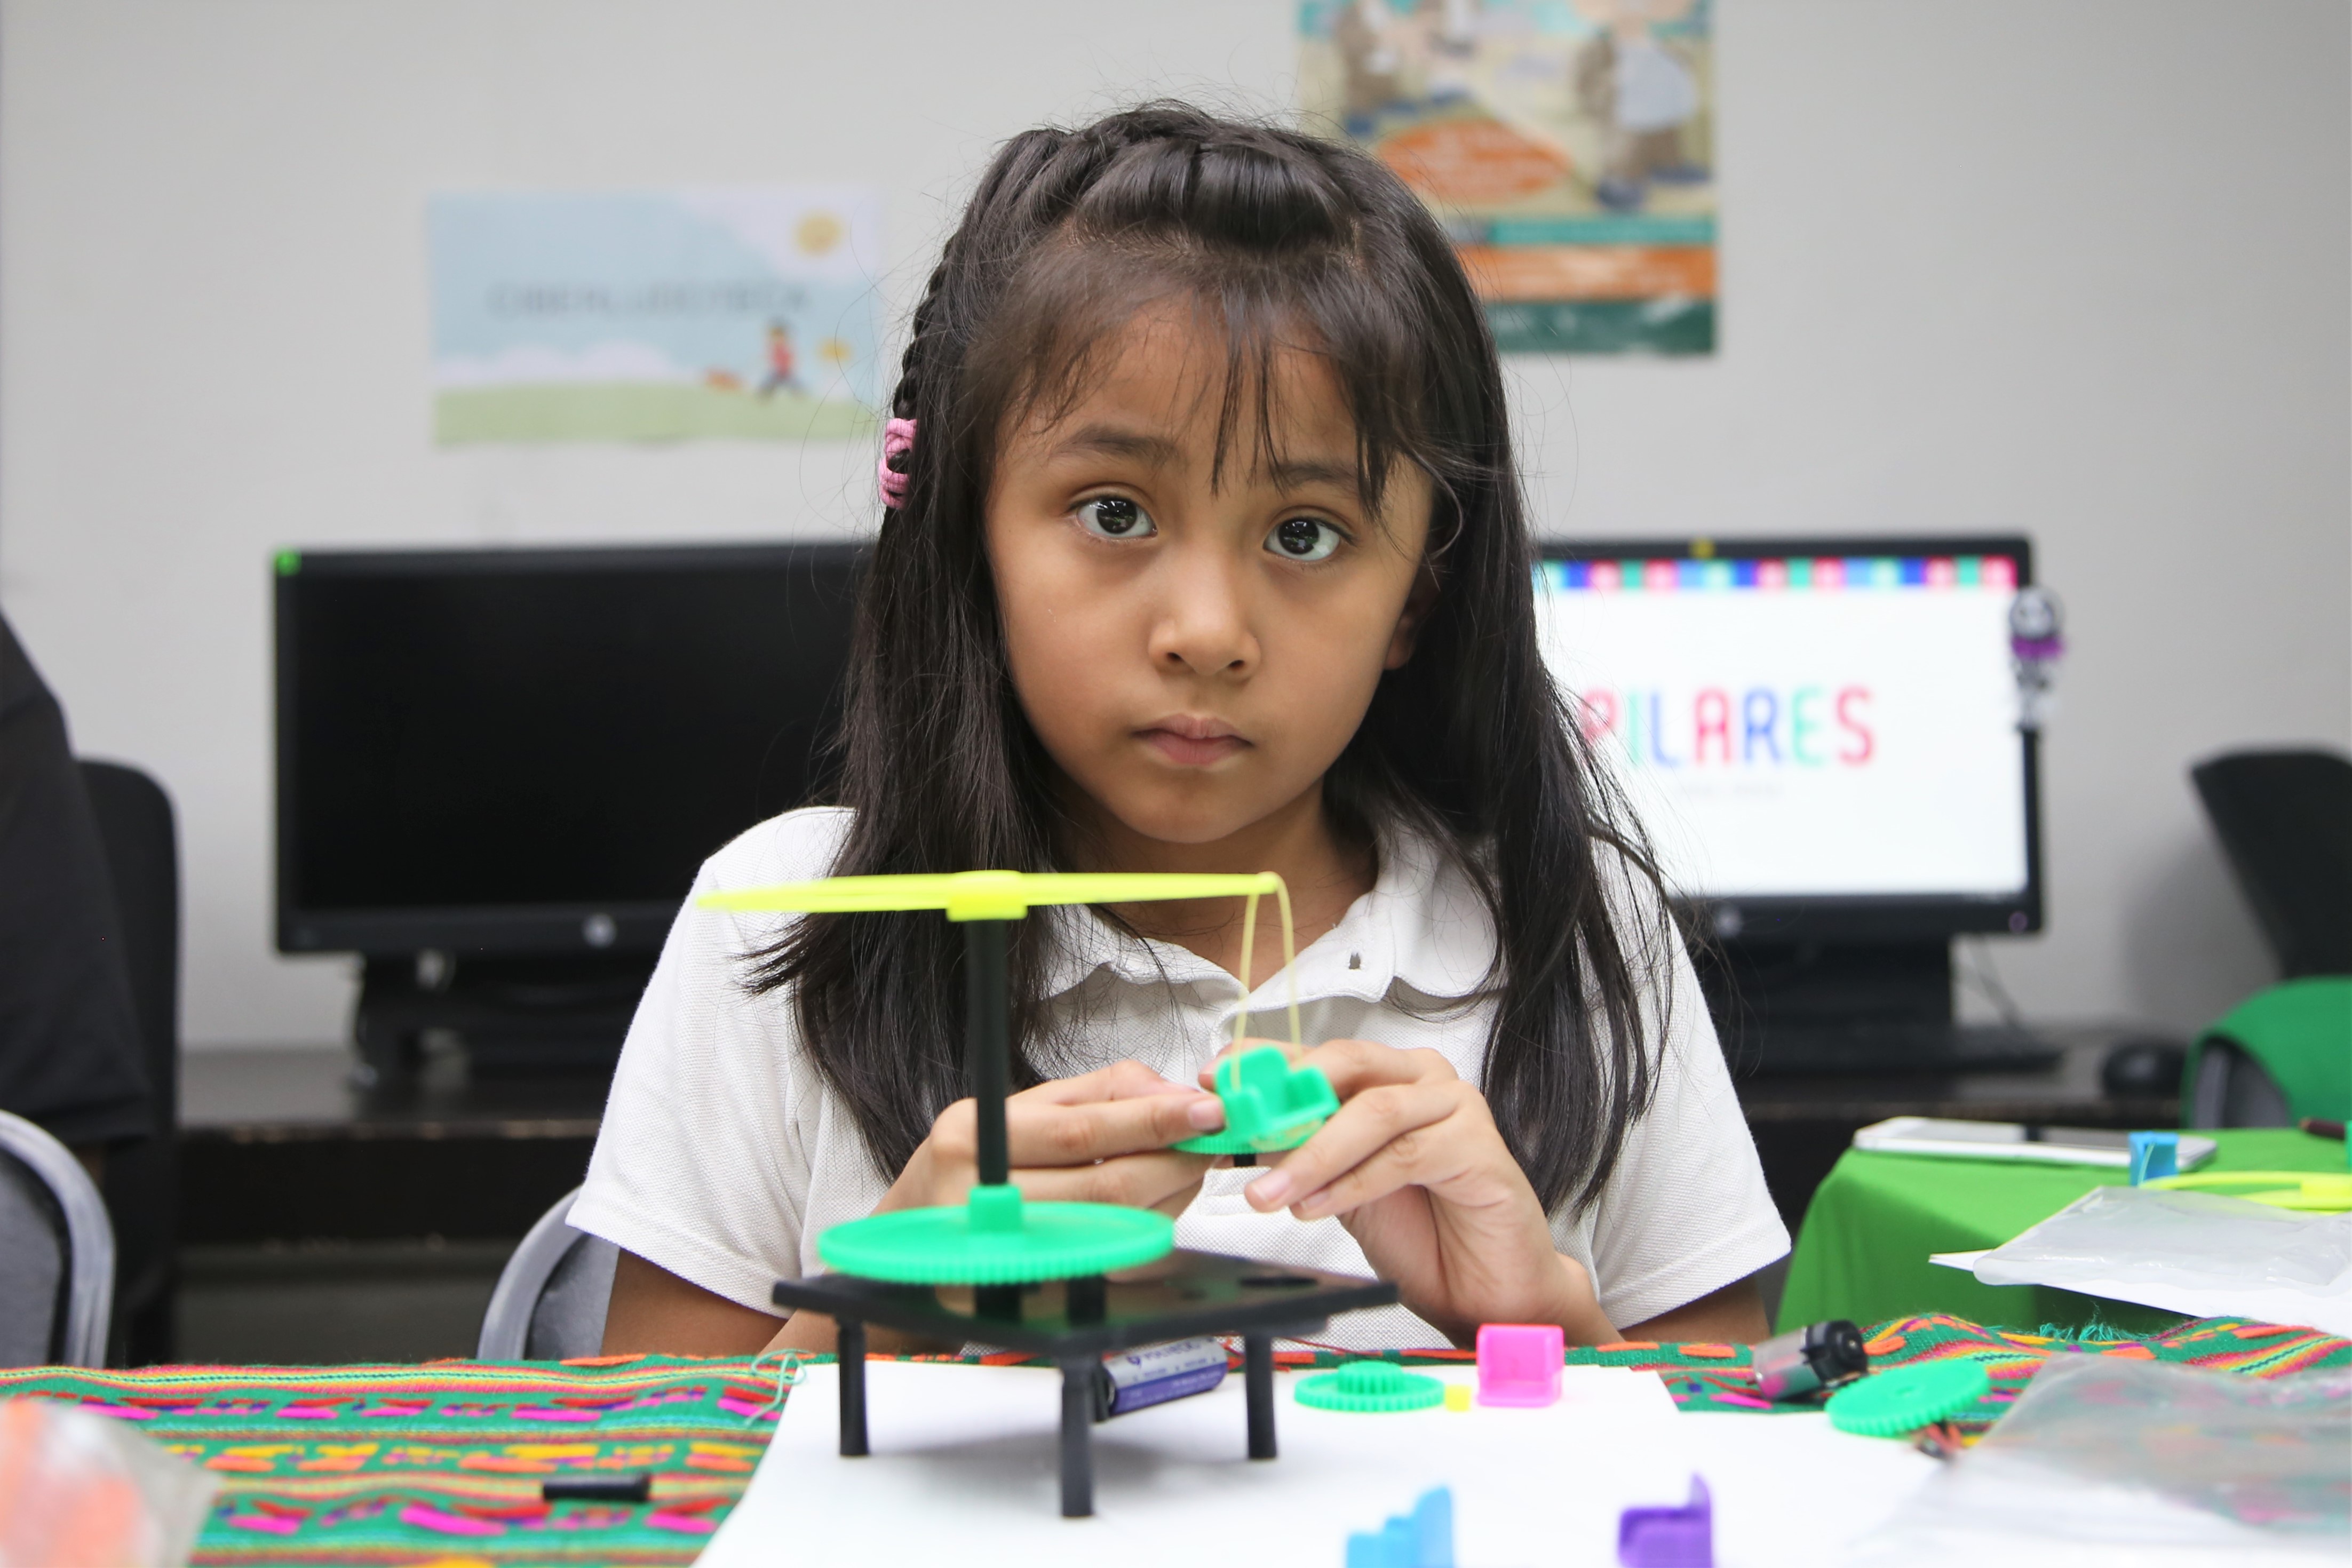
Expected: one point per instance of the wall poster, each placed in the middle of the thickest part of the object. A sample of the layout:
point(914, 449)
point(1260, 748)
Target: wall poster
point(745, 313)
point(1567, 144)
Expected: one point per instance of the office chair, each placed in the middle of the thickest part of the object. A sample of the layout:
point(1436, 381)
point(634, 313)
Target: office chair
point(135, 826)
point(550, 1297)
point(2284, 820)
point(57, 1253)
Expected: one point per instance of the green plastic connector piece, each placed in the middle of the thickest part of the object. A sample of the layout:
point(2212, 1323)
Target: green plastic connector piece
point(1270, 1106)
point(1371, 1388)
point(995, 1239)
point(1905, 1398)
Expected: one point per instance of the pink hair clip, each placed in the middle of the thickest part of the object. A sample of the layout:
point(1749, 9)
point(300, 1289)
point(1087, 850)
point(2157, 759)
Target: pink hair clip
point(898, 436)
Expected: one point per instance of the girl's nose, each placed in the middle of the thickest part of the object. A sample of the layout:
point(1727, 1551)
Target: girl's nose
point(1203, 624)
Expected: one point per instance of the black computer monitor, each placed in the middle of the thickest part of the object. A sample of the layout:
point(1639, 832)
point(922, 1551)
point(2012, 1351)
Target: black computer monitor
point(1821, 736)
point(529, 752)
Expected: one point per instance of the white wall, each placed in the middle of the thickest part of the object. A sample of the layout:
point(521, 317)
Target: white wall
point(2078, 268)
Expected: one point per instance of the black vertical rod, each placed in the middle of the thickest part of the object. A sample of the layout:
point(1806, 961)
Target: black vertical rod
point(1077, 1437)
point(849, 1350)
point(988, 1048)
point(1257, 1385)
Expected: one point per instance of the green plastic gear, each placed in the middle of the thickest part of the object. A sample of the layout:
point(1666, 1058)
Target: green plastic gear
point(1370, 1388)
point(995, 1239)
point(1905, 1398)
point(1269, 1105)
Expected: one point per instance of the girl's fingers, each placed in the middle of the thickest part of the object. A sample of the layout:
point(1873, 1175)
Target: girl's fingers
point(1050, 1135)
point(1135, 1181)
point(1120, 1080)
point(1355, 1065)
point(1390, 1121)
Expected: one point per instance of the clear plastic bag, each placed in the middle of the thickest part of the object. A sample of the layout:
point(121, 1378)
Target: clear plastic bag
point(2106, 1458)
point(2153, 1236)
point(79, 1490)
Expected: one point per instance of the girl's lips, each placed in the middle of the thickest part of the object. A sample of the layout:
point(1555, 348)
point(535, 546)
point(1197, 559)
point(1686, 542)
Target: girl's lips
point(1193, 745)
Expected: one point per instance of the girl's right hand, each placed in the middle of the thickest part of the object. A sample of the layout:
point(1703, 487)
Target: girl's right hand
point(1102, 1137)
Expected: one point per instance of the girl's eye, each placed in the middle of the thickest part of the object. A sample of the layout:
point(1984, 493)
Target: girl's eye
point(1115, 518)
point(1304, 539)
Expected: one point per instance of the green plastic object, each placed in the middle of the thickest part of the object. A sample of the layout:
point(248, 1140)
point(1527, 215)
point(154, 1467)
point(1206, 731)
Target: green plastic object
point(996, 1238)
point(1269, 1105)
point(1905, 1398)
point(2301, 1034)
point(1370, 1388)
point(986, 895)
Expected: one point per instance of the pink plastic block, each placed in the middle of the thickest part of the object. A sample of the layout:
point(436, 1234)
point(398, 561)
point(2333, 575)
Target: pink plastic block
point(1518, 1363)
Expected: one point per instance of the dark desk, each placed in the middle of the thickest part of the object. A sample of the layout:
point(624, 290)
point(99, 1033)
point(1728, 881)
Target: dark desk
point(283, 1144)
point(1803, 1124)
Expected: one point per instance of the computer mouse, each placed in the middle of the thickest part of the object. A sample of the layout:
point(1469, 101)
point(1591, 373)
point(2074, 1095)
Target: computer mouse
point(2142, 1067)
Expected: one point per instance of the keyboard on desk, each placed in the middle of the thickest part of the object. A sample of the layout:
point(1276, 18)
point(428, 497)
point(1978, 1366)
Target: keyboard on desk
point(1790, 1049)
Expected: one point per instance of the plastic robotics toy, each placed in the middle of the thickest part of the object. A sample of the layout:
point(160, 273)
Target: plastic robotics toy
point(1039, 1277)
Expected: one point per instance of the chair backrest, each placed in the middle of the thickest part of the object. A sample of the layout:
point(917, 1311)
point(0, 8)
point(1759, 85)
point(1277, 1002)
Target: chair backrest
point(142, 862)
point(2284, 820)
point(550, 1297)
point(136, 828)
point(2228, 1088)
point(57, 1253)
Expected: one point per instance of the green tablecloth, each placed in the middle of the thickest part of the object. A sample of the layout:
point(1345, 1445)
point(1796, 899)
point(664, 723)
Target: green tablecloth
point(1861, 1252)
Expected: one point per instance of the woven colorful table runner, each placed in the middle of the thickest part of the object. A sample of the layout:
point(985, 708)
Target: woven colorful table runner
point(443, 1463)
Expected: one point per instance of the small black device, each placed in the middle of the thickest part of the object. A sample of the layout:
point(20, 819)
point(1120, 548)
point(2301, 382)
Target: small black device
point(629, 1486)
point(2142, 1068)
point(497, 770)
point(1808, 1360)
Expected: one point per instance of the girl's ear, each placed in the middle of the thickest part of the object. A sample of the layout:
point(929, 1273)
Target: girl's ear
point(1416, 610)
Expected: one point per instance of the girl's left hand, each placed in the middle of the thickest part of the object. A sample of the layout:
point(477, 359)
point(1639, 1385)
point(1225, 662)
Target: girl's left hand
point(1415, 1168)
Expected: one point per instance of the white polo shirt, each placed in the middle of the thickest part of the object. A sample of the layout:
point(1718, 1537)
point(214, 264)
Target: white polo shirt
point(724, 1155)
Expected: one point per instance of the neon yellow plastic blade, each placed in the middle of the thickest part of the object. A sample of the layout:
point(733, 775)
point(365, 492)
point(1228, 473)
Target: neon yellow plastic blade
point(986, 895)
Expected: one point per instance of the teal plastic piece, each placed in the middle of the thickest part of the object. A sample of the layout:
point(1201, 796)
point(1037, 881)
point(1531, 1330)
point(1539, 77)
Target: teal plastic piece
point(1422, 1538)
point(2154, 1155)
point(1270, 1106)
point(1905, 1398)
point(1371, 1388)
point(996, 1238)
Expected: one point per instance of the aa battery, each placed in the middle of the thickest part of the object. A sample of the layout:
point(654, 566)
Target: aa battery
point(1135, 1378)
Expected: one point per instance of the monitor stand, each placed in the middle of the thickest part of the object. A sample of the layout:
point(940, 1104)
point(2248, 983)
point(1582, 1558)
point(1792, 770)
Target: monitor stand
point(512, 1017)
point(1787, 1008)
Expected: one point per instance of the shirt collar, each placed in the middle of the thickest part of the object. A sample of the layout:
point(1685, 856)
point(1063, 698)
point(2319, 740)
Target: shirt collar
point(1422, 926)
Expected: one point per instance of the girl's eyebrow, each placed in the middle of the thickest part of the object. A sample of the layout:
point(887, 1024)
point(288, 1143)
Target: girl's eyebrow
point(1294, 474)
point(1112, 441)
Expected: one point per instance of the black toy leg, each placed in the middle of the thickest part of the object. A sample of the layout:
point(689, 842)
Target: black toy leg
point(1257, 1383)
point(1077, 1438)
point(849, 1346)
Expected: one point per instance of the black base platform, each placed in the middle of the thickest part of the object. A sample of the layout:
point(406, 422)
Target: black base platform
point(1077, 1322)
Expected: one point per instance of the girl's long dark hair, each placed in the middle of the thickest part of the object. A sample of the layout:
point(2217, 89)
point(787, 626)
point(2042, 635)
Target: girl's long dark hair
point(1287, 243)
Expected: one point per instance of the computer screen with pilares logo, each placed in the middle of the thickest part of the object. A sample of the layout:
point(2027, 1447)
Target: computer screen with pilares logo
point(1816, 719)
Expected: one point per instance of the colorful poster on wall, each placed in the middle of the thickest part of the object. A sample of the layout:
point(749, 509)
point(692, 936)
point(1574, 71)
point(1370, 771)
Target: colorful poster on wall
point(1568, 146)
point(743, 313)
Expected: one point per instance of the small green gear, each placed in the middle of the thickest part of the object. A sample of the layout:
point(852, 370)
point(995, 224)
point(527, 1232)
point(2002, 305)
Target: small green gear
point(1370, 1388)
point(995, 1239)
point(1905, 1398)
point(1270, 1106)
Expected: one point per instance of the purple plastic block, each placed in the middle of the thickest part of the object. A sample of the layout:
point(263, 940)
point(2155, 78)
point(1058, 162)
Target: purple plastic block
point(1669, 1537)
point(1518, 1363)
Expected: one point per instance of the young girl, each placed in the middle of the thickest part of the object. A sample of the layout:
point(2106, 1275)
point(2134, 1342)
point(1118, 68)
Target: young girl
point(1203, 550)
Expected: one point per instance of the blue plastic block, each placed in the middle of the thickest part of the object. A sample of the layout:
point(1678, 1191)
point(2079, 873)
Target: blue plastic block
point(2154, 1155)
point(1422, 1538)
